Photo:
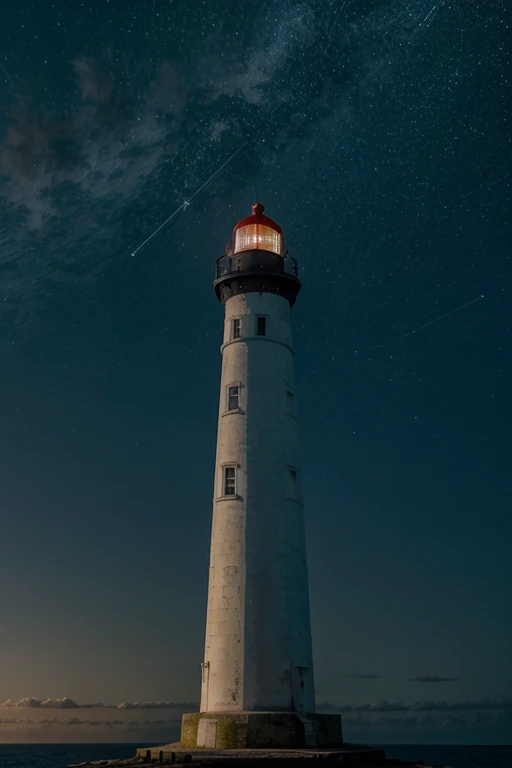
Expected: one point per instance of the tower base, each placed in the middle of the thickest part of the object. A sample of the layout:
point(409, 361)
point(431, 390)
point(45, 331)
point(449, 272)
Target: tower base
point(260, 730)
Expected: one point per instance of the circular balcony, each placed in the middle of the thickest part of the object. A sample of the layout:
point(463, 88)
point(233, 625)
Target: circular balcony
point(256, 271)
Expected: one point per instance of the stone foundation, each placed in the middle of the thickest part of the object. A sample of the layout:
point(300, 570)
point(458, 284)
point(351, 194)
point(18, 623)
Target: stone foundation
point(260, 730)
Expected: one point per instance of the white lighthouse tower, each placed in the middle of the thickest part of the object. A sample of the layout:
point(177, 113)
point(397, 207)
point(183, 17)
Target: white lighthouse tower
point(257, 673)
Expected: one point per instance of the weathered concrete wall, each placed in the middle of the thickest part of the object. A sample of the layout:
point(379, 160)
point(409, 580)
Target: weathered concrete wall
point(256, 730)
point(258, 638)
point(189, 725)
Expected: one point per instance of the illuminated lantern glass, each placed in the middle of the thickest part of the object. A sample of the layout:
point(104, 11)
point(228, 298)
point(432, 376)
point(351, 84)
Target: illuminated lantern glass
point(254, 236)
point(258, 232)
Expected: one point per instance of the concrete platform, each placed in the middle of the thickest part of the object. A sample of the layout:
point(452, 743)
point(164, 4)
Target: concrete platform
point(348, 756)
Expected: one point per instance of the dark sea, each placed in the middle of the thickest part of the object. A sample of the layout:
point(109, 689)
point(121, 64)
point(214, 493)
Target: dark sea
point(61, 755)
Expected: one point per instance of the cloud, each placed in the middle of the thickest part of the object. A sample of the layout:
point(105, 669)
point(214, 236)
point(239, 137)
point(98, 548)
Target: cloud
point(169, 93)
point(432, 679)
point(96, 85)
point(380, 721)
point(363, 677)
point(78, 721)
point(26, 701)
point(192, 706)
point(116, 723)
point(36, 144)
point(253, 76)
point(66, 180)
point(499, 702)
point(132, 140)
point(382, 705)
point(111, 134)
point(67, 703)
point(460, 722)
point(105, 146)
point(30, 701)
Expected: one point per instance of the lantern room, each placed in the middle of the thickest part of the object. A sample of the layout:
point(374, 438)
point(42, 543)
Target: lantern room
point(258, 232)
point(255, 261)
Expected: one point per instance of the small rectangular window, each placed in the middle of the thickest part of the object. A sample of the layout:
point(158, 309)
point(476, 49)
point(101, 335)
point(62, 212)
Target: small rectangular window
point(261, 328)
point(236, 328)
point(229, 481)
point(293, 484)
point(233, 398)
point(289, 402)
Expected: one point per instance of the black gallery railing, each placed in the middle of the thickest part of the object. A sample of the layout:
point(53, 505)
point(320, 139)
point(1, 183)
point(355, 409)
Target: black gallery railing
point(226, 264)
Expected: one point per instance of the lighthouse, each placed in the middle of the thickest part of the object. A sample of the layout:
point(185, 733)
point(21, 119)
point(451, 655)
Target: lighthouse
point(257, 680)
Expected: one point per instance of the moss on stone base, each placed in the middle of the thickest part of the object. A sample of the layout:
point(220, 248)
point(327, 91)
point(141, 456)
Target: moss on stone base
point(226, 733)
point(259, 730)
point(189, 726)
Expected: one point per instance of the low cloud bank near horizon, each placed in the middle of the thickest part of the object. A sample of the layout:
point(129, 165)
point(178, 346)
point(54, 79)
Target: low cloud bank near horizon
point(480, 721)
point(382, 705)
point(432, 679)
point(68, 703)
point(363, 677)
point(34, 724)
point(158, 705)
point(32, 702)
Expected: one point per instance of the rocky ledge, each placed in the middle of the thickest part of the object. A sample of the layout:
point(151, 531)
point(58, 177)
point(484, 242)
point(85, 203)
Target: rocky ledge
point(351, 756)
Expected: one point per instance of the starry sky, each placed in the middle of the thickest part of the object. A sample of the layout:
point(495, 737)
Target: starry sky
point(376, 134)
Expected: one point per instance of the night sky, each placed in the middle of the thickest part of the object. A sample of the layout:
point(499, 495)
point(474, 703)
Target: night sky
point(376, 134)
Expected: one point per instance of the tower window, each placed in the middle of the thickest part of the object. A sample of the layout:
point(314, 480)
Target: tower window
point(233, 397)
point(293, 484)
point(261, 328)
point(236, 326)
point(289, 402)
point(229, 480)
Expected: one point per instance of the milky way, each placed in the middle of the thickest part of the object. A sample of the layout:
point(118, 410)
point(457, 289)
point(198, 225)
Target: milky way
point(117, 134)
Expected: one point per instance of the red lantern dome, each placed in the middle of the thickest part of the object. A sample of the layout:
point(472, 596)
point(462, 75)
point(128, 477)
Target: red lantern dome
point(258, 232)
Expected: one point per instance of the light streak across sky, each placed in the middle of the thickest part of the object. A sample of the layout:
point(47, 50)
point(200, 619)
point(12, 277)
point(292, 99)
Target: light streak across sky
point(420, 327)
point(186, 203)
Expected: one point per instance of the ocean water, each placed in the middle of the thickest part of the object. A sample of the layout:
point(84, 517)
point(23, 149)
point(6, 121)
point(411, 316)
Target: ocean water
point(453, 756)
point(61, 755)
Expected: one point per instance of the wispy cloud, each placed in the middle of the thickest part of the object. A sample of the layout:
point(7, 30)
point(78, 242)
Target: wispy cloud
point(73, 178)
point(31, 702)
point(382, 705)
point(192, 706)
point(251, 77)
point(93, 722)
point(477, 721)
point(31, 722)
point(363, 677)
point(382, 720)
point(67, 703)
point(115, 722)
point(432, 679)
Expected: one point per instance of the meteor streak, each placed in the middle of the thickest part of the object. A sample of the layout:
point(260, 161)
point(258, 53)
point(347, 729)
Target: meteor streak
point(429, 14)
point(420, 327)
point(186, 203)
